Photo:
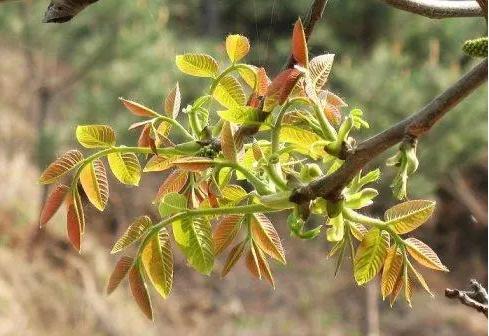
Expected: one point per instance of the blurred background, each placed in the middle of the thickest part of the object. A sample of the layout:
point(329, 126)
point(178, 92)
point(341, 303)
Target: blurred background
point(388, 63)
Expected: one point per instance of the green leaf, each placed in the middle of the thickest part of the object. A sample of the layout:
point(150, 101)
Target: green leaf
point(172, 203)
point(302, 139)
point(95, 136)
point(93, 179)
point(237, 47)
point(370, 255)
point(119, 273)
point(157, 260)
point(242, 115)
point(337, 231)
point(194, 237)
point(126, 167)
point(61, 166)
point(229, 93)
point(407, 216)
point(199, 65)
point(133, 233)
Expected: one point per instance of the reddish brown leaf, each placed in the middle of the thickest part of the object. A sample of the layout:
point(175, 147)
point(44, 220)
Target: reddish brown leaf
point(138, 109)
point(193, 163)
point(283, 84)
point(226, 230)
point(333, 114)
point(61, 166)
point(264, 266)
point(252, 263)
point(173, 183)
point(233, 257)
point(263, 82)
point(73, 223)
point(335, 100)
point(140, 292)
point(139, 124)
point(52, 204)
point(299, 44)
point(119, 273)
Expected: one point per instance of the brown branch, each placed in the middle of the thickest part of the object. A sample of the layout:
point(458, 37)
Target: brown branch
point(475, 298)
point(330, 186)
point(315, 13)
point(439, 9)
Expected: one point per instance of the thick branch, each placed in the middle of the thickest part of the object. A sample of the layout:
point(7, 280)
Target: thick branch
point(476, 298)
point(413, 126)
point(438, 9)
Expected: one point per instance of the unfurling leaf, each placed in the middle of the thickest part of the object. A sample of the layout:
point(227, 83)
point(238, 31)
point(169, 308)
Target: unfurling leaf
point(420, 279)
point(119, 273)
point(194, 237)
point(61, 166)
point(299, 44)
point(423, 254)
point(237, 47)
point(172, 203)
point(159, 163)
point(258, 265)
point(199, 65)
point(138, 109)
point(228, 145)
point(233, 257)
point(173, 101)
point(319, 68)
point(370, 255)
point(337, 230)
point(266, 237)
point(94, 182)
point(357, 230)
point(193, 164)
point(139, 291)
point(229, 93)
point(157, 259)
point(133, 233)
point(95, 136)
point(407, 216)
point(174, 183)
point(53, 203)
point(280, 88)
point(226, 230)
point(126, 167)
point(302, 139)
point(392, 271)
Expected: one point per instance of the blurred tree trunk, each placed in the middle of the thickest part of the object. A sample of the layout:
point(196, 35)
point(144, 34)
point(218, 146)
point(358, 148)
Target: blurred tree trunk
point(372, 309)
point(210, 17)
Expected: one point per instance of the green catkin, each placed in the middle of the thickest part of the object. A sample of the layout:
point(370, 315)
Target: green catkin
point(476, 47)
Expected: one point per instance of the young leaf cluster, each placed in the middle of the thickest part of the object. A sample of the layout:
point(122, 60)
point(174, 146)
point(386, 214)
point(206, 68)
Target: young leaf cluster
point(205, 210)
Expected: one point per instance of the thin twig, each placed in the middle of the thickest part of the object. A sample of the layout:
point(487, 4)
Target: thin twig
point(439, 9)
point(330, 186)
point(475, 298)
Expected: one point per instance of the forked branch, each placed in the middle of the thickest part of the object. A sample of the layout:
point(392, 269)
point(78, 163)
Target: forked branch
point(330, 186)
point(438, 9)
point(475, 298)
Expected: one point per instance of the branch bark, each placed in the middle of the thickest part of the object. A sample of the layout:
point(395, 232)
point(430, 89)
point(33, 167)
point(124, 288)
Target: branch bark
point(439, 9)
point(330, 187)
point(476, 298)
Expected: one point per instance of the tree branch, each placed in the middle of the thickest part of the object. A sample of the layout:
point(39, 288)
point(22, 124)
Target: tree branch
point(439, 9)
point(330, 186)
point(475, 298)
